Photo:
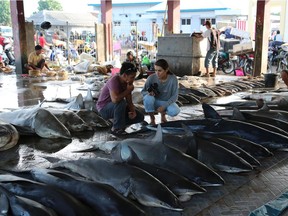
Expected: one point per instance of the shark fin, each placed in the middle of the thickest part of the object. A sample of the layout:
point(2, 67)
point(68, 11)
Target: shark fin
point(210, 112)
point(89, 96)
point(158, 138)
point(237, 115)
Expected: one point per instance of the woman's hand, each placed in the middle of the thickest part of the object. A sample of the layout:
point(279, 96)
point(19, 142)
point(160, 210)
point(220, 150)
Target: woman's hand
point(151, 93)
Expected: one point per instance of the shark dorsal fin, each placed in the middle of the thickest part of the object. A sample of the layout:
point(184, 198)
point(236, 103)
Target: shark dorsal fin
point(210, 112)
point(237, 115)
point(89, 96)
point(42, 102)
point(158, 138)
point(187, 130)
point(133, 157)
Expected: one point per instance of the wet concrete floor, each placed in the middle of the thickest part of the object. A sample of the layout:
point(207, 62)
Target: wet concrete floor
point(241, 194)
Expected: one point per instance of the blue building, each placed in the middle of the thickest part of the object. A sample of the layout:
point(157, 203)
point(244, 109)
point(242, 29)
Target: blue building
point(148, 17)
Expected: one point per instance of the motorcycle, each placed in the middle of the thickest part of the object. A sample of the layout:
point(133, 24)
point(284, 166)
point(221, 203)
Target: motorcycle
point(282, 58)
point(6, 52)
point(225, 63)
point(245, 61)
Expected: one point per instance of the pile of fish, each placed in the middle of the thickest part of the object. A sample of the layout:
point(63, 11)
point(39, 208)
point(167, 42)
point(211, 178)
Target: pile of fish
point(46, 123)
point(196, 96)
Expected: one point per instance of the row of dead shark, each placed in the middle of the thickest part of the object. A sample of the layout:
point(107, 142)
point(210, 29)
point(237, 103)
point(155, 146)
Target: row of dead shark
point(162, 170)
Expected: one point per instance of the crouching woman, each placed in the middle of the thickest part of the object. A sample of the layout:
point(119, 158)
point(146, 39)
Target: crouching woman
point(160, 92)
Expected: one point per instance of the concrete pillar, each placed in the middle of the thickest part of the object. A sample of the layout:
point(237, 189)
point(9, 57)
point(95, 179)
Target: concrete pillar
point(283, 20)
point(261, 37)
point(106, 19)
point(173, 16)
point(100, 41)
point(251, 19)
point(19, 35)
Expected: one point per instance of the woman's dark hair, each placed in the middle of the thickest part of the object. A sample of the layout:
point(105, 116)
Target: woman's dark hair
point(128, 68)
point(163, 64)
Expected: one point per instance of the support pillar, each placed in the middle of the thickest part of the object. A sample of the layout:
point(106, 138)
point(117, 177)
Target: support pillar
point(19, 35)
point(173, 16)
point(261, 41)
point(283, 20)
point(251, 19)
point(106, 19)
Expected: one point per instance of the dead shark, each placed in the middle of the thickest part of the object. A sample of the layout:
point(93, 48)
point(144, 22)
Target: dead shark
point(9, 136)
point(36, 120)
point(152, 151)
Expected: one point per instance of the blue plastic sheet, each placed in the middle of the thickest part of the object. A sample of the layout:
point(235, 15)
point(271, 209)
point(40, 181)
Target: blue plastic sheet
point(273, 208)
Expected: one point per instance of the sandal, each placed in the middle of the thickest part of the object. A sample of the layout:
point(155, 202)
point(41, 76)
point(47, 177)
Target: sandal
point(205, 75)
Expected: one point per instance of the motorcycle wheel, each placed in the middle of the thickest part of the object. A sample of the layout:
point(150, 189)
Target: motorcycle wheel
point(248, 68)
point(228, 67)
point(280, 66)
point(269, 67)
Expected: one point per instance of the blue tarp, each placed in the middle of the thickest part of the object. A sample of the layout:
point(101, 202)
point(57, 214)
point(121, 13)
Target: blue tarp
point(273, 208)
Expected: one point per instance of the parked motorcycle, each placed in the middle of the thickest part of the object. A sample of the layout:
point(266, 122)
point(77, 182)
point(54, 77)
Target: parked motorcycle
point(225, 63)
point(6, 52)
point(245, 62)
point(282, 58)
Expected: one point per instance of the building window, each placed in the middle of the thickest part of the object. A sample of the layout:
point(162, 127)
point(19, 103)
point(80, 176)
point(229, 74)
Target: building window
point(186, 21)
point(212, 20)
point(133, 23)
point(117, 23)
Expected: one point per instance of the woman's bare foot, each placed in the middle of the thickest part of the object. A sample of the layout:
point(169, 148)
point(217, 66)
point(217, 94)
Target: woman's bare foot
point(163, 119)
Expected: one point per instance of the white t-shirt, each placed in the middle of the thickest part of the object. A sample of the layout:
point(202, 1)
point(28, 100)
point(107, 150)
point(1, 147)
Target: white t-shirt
point(207, 34)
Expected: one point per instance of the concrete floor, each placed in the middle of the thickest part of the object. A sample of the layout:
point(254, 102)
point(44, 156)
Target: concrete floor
point(241, 194)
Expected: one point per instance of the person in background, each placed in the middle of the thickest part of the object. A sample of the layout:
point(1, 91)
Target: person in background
point(45, 45)
point(2, 41)
point(160, 92)
point(6, 43)
point(115, 100)
point(272, 38)
point(278, 36)
point(42, 41)
point(131, 58)
point(212, 52)
point(36, 60)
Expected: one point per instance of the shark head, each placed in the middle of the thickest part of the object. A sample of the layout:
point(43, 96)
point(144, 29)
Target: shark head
point(9, 136)
point(48, 126)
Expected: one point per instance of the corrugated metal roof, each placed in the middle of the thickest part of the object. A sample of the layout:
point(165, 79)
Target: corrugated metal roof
point(61, 18)
point(192, 6)
point(97, 3)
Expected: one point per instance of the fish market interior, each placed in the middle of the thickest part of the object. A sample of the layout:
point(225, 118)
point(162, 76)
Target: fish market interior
point(225, 153)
